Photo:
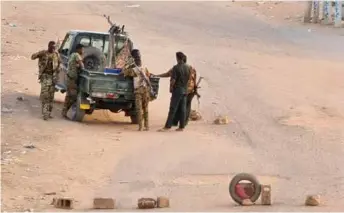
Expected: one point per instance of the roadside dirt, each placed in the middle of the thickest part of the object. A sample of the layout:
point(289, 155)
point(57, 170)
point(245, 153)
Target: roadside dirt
point(282, 95)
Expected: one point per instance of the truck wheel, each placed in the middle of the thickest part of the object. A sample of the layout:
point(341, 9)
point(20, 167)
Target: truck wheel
point(248, 177)
point(93, 58)
point(133, 119)
point(79, 113)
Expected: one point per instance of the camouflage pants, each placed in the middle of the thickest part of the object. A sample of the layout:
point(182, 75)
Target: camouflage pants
point(47, 95)
point(141, 102)
point(71, 95)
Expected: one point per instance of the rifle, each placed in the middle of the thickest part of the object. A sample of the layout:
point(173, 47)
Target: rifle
point(197, 87)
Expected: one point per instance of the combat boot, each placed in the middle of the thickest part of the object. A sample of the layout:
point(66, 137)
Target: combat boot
point(145, 120)
point(45, 111)
point(50, 110)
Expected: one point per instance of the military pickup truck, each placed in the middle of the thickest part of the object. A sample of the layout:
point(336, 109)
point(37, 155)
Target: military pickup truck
point(98, 89)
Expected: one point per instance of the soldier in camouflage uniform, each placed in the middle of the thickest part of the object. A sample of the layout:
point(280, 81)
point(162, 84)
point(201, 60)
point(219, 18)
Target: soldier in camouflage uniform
point(142, 87)
point(49, 67)
point(75, 65)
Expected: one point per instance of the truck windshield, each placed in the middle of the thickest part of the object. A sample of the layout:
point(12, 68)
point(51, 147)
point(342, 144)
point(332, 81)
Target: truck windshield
point(100, 41)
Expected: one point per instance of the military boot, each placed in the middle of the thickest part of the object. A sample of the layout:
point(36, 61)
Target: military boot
point(50, 110)
point(45, 111)
point(145, 120)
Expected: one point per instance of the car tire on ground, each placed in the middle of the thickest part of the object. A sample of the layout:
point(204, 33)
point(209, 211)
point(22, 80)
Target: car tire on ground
point(79, 113)
point(248, 177)
point(133, 119)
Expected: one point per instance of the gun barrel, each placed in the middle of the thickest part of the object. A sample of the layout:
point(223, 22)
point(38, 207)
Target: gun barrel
point(199, 81)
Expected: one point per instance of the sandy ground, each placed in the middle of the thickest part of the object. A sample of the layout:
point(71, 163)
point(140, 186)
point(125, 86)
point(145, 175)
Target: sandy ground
point(280, 83)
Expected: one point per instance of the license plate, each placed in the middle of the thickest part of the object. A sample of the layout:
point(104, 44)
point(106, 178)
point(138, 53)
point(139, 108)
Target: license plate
point(85, 106)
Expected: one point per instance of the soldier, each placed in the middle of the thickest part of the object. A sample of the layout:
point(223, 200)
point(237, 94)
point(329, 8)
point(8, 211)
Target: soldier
point(190, 92)
point(178, 88)
point(49, 67)
point(75, 65)
point(142, 87)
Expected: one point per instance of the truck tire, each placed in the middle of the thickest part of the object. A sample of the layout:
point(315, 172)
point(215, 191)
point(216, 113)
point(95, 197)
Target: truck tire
point(133, 119)
point(93, 58)
point(79, 113)
point(244, 176)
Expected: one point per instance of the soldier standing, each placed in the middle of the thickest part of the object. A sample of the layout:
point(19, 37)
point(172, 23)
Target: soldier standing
point(178, 88)
point(49, 67)
point(191, 89)
point(75, 65)
point(142, 87)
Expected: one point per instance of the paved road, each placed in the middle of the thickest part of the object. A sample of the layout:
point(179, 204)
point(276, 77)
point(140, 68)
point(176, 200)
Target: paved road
point(243, 60)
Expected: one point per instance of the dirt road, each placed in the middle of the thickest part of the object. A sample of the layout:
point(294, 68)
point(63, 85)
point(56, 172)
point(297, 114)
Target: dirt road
point(280, 83)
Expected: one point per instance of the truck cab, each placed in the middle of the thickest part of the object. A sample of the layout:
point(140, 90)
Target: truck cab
point(96, 88)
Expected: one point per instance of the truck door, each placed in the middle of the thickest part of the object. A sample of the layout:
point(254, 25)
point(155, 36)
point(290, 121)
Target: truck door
point(64, 52)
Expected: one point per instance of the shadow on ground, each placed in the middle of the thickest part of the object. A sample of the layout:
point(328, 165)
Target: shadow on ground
point(28, 104)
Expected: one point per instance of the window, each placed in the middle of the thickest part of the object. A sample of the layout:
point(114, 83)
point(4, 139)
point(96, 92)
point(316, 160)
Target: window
point(120, 45)
point(98, 43)
point(66, 44)
point(85, 41)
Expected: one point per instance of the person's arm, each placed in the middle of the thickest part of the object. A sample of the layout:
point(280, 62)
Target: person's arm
point(173, 79)
point(57, 71)
point(79, 62)
point(166, 74)
point(148, 74)
point(37, 55)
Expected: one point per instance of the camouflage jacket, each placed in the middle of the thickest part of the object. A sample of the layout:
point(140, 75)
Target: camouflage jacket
point(73, 66)
point(48, 63)
point(138, 73)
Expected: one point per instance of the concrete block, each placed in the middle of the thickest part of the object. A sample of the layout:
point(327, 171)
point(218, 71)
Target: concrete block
point(63, 203)
point(266, 194)
point(104, 203)
point(146, 203)
point(163, 202)
point(312, 200)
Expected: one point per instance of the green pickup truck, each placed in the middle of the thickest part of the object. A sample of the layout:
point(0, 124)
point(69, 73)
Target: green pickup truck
point(98, 89)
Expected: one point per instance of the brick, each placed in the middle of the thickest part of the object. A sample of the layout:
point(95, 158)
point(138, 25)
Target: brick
point(146, 203)
point(266, 195)
point(312, 200)
point(163, 202)
point(63, 203)
point(104, 203)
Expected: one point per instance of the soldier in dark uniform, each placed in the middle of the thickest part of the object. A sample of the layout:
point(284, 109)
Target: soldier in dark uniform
point(178, 88)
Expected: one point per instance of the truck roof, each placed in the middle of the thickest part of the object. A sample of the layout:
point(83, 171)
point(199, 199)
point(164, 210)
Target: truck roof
point(85, 31)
